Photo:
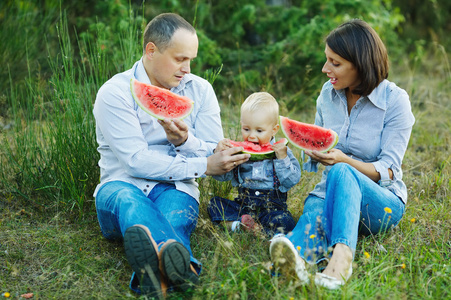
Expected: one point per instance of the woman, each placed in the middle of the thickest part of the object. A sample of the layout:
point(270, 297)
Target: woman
point(361, 190)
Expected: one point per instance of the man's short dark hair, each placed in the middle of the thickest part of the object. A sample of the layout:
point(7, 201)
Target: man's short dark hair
point(161, 29)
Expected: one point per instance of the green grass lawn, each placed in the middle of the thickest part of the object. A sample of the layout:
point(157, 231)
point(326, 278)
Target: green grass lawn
point(56, 255)
point(50, 241)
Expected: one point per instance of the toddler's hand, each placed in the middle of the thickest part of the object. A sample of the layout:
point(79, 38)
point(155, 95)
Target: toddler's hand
point(223, 145)
point(280, 150)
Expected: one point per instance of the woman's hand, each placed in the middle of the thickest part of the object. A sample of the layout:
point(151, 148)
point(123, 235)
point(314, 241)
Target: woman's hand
point(328, 159)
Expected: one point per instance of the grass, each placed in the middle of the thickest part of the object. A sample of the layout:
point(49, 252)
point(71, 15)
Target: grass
point(59, 253)
point(56, 256)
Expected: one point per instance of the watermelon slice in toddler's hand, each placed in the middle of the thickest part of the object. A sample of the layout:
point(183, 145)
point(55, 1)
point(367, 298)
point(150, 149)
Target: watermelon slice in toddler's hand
point(308, 136)
point(160, 103)
point(257, 151)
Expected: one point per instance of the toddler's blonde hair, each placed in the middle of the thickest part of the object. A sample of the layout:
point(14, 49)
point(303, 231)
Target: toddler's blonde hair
point(262, 101)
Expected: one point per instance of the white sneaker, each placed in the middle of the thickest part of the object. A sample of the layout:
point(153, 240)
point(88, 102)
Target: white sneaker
point(287, 260)
point(330, 282)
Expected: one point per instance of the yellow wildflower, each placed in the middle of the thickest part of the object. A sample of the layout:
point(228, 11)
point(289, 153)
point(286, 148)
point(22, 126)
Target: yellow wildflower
point(312, 236)
point(367, 255)
point(6, 295)
point(412, 220)
point(403, 266)
point(387, 210)
point(299, 248)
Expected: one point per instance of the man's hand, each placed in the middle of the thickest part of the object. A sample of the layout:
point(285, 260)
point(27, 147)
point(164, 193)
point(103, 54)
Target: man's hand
point(176, 131)
point(224, 161)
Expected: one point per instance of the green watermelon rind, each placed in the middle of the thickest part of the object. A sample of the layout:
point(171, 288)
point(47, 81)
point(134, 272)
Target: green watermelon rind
point(281, 118)
point(255, 156)
point(136, 98)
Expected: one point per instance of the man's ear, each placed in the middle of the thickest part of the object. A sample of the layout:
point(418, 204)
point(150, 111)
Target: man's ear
point(150, 50)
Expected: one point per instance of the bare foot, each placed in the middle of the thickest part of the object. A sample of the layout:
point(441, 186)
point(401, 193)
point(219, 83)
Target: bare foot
point(339, 264)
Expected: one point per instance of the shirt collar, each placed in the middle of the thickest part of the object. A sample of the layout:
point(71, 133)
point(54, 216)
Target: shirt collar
point(141, 75)
point(377, 97)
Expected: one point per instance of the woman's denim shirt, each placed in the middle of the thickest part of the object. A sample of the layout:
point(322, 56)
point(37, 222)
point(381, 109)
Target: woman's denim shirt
point(376, 131)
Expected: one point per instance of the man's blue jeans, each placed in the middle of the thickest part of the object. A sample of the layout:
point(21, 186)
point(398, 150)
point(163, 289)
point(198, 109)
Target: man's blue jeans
point(353, 204)
point(167, 212)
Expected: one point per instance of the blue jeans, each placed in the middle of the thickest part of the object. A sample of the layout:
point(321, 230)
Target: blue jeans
point(353, 204)
point(167, 212)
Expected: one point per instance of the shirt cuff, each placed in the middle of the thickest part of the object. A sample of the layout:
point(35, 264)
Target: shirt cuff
point(382, 169)
point(197, 167)
point(188, 146)
point(311, 166)
point(283, 162)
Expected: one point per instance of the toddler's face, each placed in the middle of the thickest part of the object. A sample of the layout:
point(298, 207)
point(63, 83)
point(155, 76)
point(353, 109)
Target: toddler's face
point(258, 127)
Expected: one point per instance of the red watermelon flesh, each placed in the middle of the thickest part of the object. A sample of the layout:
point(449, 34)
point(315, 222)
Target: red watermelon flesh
point(160, 103)
point(308, 136)
point(257, 151)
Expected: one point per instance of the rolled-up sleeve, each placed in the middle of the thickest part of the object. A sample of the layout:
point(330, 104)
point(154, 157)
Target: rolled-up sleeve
point(395, 135)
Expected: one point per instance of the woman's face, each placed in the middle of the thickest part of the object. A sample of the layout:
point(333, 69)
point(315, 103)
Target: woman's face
point(342, 73)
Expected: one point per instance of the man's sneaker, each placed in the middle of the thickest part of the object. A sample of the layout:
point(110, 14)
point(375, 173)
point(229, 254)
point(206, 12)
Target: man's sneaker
point(175, 264)
point(248, 223)
point(141, 252)
point(286, 259)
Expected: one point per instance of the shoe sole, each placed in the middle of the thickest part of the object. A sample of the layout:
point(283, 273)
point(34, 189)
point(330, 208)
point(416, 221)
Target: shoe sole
point(287, 261)
point(283, 258)
point(143, 258)
point(176, 265)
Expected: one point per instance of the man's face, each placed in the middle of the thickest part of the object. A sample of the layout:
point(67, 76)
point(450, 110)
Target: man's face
point(167, 68)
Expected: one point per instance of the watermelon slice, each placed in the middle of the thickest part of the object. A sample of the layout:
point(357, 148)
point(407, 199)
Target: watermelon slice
point(159, 102)
point(258, 152)
point(308, 136)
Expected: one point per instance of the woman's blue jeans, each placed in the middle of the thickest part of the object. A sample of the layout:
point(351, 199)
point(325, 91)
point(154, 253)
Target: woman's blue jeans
point(353, 204)
point(167, 212)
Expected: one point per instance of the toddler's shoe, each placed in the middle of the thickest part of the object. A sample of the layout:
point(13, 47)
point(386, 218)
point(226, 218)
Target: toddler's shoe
point(248, 223)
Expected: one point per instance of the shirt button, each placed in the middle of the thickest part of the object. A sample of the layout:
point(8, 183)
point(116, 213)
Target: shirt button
point(170, 177)
point(195, 174)
point(145, 190)
point(147, 185)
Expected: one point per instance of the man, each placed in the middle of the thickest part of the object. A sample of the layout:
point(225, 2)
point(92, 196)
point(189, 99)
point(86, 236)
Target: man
point(147, 192)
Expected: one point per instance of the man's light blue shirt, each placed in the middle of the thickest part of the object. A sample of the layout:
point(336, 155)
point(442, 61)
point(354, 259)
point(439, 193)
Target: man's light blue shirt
point(376, 131)
point(134, 148)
